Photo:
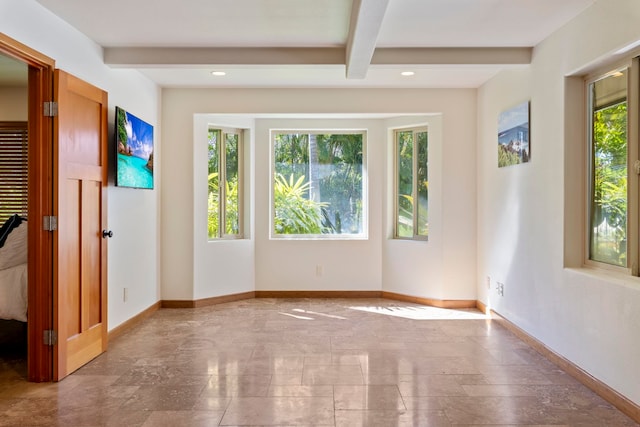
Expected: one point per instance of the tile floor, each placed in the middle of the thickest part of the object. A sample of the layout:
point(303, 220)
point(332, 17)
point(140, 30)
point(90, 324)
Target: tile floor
point(331, 362)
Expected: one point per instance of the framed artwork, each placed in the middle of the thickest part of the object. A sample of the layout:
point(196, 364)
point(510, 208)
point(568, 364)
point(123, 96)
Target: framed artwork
point(513, 135)
point(134, 151)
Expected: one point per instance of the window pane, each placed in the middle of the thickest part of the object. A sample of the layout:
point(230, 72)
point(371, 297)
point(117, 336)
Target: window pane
point(232, 224)
point(608, 214)
point(214, 190)
point(404, 146)
point(292, 155)
point(423, 184)
point(318, 183)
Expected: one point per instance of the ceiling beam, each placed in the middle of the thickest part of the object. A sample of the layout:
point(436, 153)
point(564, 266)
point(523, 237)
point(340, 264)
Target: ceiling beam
point(147, 57)
point(453, 56)
point(366, 20)
point(176, 56)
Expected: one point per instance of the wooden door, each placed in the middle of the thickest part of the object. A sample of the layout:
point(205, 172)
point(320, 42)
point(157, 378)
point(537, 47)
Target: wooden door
point(80, 256)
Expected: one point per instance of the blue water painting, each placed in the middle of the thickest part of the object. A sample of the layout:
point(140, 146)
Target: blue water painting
point(134, 140)
point(513, 135)
point(134, 172)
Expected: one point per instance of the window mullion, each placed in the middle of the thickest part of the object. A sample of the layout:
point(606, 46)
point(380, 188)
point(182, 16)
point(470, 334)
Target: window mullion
point(633, 184)
point(222, 185)
point(396, 183)
point(414, 178)
point(241, 183)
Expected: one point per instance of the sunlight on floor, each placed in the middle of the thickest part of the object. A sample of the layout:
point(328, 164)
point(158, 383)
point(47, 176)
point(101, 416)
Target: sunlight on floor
point(331, 316)
point(296, 316)
point(423, 312)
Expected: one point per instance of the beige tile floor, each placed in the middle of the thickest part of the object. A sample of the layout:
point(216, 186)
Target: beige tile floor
point(331, 362)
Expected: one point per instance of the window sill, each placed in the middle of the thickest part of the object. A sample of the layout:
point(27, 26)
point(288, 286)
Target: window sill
point(616, 277)
point(228, 239)
point(338, 237)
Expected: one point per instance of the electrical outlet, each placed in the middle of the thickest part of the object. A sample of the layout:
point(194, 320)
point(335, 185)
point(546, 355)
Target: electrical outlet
point(500, 288)
point(125, 294)
point(488, 282)
point(318, 270)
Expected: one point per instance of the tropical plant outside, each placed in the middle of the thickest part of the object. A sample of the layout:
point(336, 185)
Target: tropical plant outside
point(609, 193)
point(295, 213)
point(231, 217)
point(223, 149)
point(412, 181)
point(318, 183)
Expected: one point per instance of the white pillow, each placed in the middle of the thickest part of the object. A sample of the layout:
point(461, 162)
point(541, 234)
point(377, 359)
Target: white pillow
point(14, 251)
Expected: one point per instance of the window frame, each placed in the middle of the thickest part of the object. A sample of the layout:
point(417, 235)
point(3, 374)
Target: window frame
point(364, 235)
point(222, 172)
point(632, 66)
point(414, 191)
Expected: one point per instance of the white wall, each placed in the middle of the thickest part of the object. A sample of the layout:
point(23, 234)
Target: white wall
point(13, 103)
point(591, 318)
point(283, 264)
point(133, 214)
point(444, 267)
point(193, 268)
point(221, 267)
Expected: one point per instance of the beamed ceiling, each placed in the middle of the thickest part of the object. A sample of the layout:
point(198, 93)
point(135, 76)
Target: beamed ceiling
point(317, 43)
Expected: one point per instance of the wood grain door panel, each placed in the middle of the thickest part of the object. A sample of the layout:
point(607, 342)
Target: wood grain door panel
point(80, 251)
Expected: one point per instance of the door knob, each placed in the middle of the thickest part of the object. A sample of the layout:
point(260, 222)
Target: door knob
point(107, 233)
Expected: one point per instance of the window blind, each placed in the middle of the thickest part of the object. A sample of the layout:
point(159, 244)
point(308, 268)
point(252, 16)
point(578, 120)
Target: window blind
point(14, 170)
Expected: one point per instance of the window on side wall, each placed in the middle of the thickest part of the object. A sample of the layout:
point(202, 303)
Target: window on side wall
point(13, 169)
point(318, 182)
point(608, 194)
point(411, 184)
point(225, 184)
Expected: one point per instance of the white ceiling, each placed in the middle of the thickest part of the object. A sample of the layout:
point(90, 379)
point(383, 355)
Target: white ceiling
point(317, 43)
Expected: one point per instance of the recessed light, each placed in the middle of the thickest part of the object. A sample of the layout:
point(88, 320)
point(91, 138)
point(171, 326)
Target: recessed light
point(407, 73)
point(218, 73)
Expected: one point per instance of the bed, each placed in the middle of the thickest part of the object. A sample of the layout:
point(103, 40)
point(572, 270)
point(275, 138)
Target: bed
point(13, 269)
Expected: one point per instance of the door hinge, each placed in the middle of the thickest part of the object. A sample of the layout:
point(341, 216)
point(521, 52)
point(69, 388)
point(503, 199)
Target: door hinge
point(50, 223)
point(50, 337)
point(50, 109)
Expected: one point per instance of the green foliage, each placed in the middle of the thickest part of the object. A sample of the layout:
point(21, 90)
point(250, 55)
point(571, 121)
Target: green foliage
point(609, 198)
point(213, 206)
point(294, 213)
point(410, 144)
point(331, 165)
point(232, 223)
point(291, 152)
point(506, 157)
point(405, 216)
point(341, 184)
point(231, 212)
point(231, 202)
point(121, 126)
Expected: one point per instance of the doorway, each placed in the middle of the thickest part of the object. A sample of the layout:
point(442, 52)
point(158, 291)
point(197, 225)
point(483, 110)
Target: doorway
point(66, 213)
point(39, 88)
point(13, 215)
